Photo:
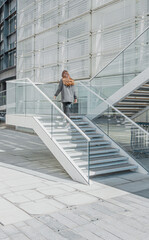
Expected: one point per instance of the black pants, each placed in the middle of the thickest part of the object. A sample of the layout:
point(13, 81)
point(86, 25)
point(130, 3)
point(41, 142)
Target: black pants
point(66, 108)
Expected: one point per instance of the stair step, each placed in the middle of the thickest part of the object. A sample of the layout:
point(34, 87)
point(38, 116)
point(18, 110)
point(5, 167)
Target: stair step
point(70, 130)
point(93, 140)
point(81, 148)
point(104, 160)
point(96, 156)
point(49, 117)
point(72, 138)
point(78, 120)
point(73, 141)
point(103, 165)
point(133, 109)
point(83, 145)
point(140, 92)
point(108, 170)
point(139, 97)
point(82, 123)
point(77, 134)
point(131, 104)
point(69, 133)
point(93, 152)
point(76, 117)
point(60, 124)
point(144, 87)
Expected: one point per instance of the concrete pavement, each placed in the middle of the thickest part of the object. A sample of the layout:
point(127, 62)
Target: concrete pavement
point(38, 205)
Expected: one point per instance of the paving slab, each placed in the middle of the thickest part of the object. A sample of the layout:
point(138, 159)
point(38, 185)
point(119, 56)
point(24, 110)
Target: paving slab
point(76, 199)
point(35, 207)
point(10, 214)
point(107, 193)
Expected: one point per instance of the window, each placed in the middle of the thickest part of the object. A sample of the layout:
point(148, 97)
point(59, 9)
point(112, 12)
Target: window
point(1, 63)
point(12, 41)
point(1, 14)
point(1, 33)
point(12, 6)
point(1, 48)
point(12, 24)
point(11, 58)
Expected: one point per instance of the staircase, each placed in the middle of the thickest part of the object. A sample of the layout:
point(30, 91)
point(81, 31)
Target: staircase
point(84, 148)
point(134, 102)
point(104, 159)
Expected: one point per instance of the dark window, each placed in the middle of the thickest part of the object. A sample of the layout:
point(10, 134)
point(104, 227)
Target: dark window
point(1, 14)
point(1, 33)
point(2, 48)
point(12, 6)
point(12, 41)
point(1, 63)
point(12, 24)
point(11, 58)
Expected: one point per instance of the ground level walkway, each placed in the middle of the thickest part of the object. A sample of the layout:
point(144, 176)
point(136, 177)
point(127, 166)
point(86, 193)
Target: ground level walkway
point(38, 200)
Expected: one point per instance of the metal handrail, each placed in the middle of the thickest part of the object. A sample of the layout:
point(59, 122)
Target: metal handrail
point(119, 53)
point(59, 110)
point(133, 123)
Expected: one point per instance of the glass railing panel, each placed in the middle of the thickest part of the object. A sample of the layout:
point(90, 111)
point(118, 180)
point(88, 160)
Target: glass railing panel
point(126, 133)
point(124, 67)
point(143, 119)
point(71, 140)
point(2, 98)
point(11, 98)
point(49, 89)
point(2, 106)
point(29, 100)
point(136, 56)
point(111, 79)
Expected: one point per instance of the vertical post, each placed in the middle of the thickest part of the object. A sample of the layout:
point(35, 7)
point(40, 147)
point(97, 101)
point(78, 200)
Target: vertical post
point(25, 98)
point(51, 120)
point(123, 69)
point(88, 151)
point(15, 97)
point(108, 121)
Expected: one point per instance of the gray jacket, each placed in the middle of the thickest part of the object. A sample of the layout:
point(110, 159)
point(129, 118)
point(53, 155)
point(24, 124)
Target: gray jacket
point(67, 93)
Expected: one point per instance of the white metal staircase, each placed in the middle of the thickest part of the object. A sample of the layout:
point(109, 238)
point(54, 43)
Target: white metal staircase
point(83, 149)
point(102, 156)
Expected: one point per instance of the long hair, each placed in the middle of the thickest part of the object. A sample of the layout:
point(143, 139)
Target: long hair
point(67, 81)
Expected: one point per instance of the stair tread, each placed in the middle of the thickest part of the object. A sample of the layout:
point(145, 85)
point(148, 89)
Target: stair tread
point(101, 150)
point(129, 108)
point(99, 161)
point(108, 164)
point(118, 168)
point(85, 145)
point(123, 104)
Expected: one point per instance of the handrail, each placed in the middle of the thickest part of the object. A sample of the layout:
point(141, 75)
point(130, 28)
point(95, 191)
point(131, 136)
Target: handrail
point(59, 110)
point(119, 53)
point(137, 126)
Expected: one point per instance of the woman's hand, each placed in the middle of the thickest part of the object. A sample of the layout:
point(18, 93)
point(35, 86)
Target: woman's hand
point(55, 97)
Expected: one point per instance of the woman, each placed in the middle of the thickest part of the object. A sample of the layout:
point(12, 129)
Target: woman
point(67, 89)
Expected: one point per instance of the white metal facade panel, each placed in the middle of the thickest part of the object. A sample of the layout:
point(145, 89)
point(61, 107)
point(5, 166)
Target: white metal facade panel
point(79, 35)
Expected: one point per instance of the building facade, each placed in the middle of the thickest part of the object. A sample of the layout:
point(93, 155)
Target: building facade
point(78, 35)
point(7, 41)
